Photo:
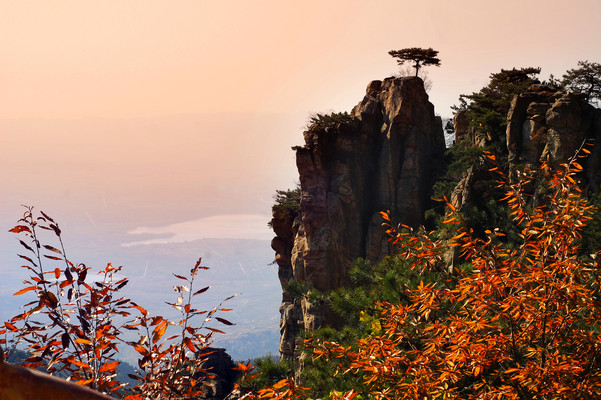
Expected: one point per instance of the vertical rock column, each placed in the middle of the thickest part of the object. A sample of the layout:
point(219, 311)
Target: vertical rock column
point(382, 157)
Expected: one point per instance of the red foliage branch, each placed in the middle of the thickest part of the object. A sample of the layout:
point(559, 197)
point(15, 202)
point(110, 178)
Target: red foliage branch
point(74, 327)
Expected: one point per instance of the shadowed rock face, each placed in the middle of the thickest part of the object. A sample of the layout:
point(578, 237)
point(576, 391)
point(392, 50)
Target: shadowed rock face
point(383, 157)
point(221, 374)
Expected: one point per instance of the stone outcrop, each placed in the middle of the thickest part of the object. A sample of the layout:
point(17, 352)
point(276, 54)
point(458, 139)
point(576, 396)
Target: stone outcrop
point(543, 124)
point(383, 156)
point(221, 375)
point(464, 132)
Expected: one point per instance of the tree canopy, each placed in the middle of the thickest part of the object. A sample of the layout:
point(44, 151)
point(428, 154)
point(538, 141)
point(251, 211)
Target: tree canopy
point(585, 79)
point(420, 57)
point(488, 108)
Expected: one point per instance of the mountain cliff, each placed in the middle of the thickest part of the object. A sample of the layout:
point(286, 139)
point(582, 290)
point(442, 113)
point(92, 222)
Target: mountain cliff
point(543, 123)
point(387, 154)
point(384, 155)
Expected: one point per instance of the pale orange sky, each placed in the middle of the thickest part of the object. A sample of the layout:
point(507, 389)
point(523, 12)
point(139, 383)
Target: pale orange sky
point(127, 114)
point(114, 58)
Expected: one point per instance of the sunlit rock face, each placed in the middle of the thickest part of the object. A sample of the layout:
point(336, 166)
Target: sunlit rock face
point(544, 124)
point(382, 157)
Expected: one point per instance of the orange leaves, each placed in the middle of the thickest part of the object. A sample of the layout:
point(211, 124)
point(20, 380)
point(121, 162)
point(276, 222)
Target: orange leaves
point(519, 319)
point(450, 220)
point(245, 367)
point(81, 364)
point(459, 236)
point(20, 228)
point(189, 344)
point(385, 216)
point(77, 326)
point(425, 299)
point(165, 360)
point(141, 349)
point(25, 290)
point(141, 309)
point(10, 326)
point(284, 389)
point(109, 366)
point(159, 330)
point(350, 395)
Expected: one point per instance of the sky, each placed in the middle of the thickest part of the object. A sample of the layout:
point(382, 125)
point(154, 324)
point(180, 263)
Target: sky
point(159, 113)
point(136, 123)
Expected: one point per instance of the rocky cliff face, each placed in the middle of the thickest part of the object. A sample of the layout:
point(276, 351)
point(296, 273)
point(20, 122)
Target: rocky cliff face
point(382, 157)
point(551, 125)
point(542, 124)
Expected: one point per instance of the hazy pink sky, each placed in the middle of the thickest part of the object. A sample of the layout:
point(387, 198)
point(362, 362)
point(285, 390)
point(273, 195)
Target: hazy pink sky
point(110, 58)
point(119, 114)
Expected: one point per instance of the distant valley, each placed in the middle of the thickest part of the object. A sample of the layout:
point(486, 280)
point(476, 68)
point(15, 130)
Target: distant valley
point(236, 266)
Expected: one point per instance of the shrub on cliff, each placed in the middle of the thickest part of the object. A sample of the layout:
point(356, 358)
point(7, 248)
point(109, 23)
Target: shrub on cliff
point(286, 205)
point(331, 120)
point(487, 109)
point(486, 112)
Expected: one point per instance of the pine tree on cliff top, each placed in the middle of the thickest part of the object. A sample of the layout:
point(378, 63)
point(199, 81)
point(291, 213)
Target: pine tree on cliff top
point(419, 56)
